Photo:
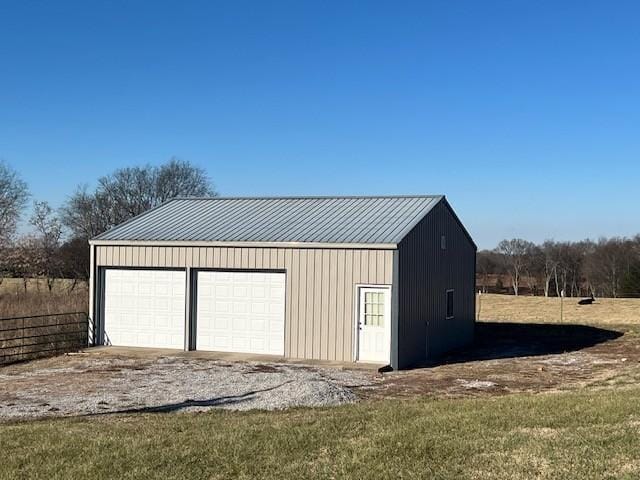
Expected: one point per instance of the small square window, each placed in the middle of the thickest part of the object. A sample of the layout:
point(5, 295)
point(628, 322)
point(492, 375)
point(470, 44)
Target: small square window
point(449, 303)
point(443, 242)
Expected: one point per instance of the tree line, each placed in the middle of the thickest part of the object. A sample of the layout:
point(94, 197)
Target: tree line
point(608, 267)
point(55, 245)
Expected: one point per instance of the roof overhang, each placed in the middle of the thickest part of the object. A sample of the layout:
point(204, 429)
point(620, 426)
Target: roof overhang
point(194, 243)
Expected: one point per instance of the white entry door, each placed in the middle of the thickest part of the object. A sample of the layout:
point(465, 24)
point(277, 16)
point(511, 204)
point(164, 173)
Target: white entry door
point(374, 325)
point(240, 312)
point(144, 308)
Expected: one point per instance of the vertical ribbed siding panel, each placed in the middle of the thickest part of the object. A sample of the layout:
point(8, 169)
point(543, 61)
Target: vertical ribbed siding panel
point(332, 316)
point(380, 273)
point(115, 256)
point(308, 337)
point(291, 303)
point(317, 304)
point(325, 338)
point(349, 299)
point(357, 256)
point(162, 254)
point(373, 267)
point(426, 273)
point(388, 267)
point(320, 284)
point(364, 266)
point(302, 302)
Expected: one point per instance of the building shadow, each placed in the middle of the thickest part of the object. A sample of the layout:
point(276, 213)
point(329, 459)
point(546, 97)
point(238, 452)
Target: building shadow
point(178, 406)
point(499, 340)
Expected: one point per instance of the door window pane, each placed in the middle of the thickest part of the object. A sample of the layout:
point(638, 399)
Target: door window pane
point(374, 309)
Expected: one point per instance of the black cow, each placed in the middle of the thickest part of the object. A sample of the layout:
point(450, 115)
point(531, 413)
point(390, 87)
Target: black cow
point(587, 301)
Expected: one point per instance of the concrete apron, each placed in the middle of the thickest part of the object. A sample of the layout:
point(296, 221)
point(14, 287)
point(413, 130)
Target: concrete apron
point(153, 353)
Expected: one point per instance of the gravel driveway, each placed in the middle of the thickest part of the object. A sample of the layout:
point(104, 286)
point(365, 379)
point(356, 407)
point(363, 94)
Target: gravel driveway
point(87, 384)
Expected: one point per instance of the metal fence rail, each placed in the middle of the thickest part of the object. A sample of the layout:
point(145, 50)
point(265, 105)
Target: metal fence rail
point(35, 336)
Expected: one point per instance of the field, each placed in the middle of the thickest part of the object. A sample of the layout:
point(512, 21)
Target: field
point(605, 311)
point(581, 435)
point(15, 301)
point(529, 400)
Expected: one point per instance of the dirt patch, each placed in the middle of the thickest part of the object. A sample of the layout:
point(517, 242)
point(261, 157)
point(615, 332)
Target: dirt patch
point(512, 358)
point(262, 368)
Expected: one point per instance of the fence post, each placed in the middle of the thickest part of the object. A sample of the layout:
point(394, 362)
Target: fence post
point(22, 341)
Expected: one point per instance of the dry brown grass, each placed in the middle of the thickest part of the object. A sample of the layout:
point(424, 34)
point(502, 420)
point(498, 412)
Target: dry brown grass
point(509, 308)
point(38, 300)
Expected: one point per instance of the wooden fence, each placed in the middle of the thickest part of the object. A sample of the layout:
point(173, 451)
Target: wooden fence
point(26, 338)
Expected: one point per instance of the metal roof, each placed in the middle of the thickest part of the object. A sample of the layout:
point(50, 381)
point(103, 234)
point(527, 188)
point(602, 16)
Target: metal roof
point(335, 220)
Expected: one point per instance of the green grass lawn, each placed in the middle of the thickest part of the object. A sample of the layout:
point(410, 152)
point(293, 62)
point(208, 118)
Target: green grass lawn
point(569, 435)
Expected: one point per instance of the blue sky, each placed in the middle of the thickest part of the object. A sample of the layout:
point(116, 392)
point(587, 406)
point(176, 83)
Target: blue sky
point(526, 114)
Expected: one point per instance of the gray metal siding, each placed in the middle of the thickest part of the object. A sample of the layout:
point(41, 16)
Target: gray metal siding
point(321, 285)
point(426, 272)
point(336, 220)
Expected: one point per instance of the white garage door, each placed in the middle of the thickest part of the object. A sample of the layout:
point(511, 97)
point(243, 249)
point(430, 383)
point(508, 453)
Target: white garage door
point(144, 308)
point(241, 312)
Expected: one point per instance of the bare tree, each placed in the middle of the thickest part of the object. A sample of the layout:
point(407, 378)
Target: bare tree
point(549, 264)
point(85, 214)
point(560, 254)
point(13, 199)
point(487, 263)
point(24, 259)
point(630, 285)
point(606, 265)
point(129, 192)
point(515, 253)
point(49, 231)
point(180, 178)
point(533, 265)
point(74, 257)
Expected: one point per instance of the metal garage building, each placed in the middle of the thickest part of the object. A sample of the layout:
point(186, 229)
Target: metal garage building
point(388, 280)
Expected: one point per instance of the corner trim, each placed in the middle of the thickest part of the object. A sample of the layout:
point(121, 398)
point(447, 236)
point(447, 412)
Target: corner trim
point(395, 306)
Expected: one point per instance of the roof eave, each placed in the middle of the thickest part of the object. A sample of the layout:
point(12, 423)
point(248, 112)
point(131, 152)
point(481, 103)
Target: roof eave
point(205, 243)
